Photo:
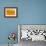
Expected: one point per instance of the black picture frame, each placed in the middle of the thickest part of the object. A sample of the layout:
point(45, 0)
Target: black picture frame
point(11, 16)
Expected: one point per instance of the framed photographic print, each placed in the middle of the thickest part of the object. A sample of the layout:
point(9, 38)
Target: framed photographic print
point(33, 32)
point(11, 12)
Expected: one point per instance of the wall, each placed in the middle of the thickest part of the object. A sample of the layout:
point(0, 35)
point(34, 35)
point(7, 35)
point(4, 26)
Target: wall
point(29, 12)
